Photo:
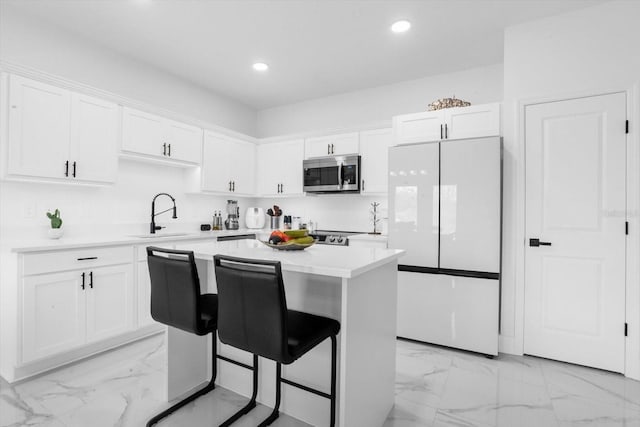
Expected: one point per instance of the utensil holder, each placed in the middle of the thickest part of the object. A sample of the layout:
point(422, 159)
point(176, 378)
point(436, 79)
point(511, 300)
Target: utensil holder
point(274, 222)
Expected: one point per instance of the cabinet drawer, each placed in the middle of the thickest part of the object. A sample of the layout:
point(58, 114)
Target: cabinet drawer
point(75, 259)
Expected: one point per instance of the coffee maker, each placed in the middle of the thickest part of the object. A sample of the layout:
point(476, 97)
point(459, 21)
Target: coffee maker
point(233, 215)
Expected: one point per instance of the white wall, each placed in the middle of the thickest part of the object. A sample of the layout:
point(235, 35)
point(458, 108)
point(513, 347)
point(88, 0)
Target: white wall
point(591, 51)
point(29, 42)
point(478, 85)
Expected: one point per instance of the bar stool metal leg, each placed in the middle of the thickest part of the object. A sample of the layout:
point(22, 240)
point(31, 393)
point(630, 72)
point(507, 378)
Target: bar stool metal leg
point(252, 403)
point(210, 386)
point(275, 413)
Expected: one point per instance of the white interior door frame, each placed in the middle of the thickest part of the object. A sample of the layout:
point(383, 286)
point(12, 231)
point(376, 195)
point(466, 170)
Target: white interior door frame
point(632, 347)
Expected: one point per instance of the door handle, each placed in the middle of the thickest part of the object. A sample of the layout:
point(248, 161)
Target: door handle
point(83, 276)
point(328, 148)
point(363, 185)
point(229, 185)
point(169, 150)
point(66, 168)
point(332, 150)
point(446, 131)
point(233, 186)
point(91, 279)
point(164, 149)
point(74, 169)
point(536, 242)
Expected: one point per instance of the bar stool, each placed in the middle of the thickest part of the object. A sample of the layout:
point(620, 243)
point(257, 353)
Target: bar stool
point(253, 316)
point(176, 301)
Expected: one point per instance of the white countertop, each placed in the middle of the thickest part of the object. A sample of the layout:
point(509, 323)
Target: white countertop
point(325, 260)
point(44, 244)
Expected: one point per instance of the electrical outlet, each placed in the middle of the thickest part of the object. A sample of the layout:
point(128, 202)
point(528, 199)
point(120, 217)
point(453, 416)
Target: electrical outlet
point(30, 211)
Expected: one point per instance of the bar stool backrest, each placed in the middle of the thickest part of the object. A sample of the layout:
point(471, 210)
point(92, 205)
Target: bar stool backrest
point(175, 289)
point(252, 310)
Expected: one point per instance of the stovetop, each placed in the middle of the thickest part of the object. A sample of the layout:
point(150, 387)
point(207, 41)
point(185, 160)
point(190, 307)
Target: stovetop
point(333, 237)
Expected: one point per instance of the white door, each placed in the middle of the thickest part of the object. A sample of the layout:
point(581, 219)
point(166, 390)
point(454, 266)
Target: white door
point(374, 148)
point(53, 314)
point(185, 142)
point(413, 203)
point(575, 202)
point(143, 133)
point(94, 139)
point(39, 116)
point(109, 301)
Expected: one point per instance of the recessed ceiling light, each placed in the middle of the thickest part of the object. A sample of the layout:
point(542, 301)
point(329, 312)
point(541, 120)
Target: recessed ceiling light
point(401, 26)
point(260, 66)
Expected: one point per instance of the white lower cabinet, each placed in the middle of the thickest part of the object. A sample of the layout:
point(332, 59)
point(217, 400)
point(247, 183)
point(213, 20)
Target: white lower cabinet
point(62, 311)
point(459, 312)
point(53, 314)
point(109, 302)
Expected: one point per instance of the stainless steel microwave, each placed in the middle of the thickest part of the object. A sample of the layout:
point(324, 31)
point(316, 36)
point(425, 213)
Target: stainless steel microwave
point(332, 174)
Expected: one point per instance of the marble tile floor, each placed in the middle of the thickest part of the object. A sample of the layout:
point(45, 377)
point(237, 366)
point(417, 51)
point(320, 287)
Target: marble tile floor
point(435, 387)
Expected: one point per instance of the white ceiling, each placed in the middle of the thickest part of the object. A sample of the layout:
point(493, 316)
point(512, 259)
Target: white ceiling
point(314, 48)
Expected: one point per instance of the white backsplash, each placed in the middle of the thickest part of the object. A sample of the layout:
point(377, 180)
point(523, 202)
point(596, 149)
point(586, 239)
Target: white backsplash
point(345, 212)
point(97, 210)
point(125, 207)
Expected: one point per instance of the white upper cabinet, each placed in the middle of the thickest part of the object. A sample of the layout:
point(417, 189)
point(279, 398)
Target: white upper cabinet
point(280, 168)
point(184, 142)
point(374, 149)
point(339, 144)
point(38, 129)
point(475, 121)
point(150, 135)
point(228, 165)
point(94, 139)
point(449, 123)
point(55, 133)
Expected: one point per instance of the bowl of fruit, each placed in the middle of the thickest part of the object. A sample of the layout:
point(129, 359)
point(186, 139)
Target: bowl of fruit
point(289, 240)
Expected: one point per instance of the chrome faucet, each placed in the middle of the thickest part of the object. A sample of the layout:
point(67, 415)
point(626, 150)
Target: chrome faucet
point(154, 227)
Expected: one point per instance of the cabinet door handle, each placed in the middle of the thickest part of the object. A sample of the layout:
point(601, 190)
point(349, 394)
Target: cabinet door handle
point(91, 279)
point(328, 148)
point(229, 185)
point(83, 276)
point(441, 131)
point(282, 188)
point(164, 149)
point(332, 151)
point(233, 186)
point(363, 185)
point(169, 152)
point(87, 258)
point(66, 168)
point(446, 131)
point(74, 169)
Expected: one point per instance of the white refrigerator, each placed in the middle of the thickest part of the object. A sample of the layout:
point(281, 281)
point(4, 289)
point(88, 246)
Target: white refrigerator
point(445, 210)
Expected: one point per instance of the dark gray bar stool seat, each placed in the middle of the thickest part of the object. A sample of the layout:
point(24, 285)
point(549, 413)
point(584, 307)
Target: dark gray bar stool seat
point(253, 316)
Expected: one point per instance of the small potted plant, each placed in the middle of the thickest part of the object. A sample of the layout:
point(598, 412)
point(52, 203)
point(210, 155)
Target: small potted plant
point(55, 232)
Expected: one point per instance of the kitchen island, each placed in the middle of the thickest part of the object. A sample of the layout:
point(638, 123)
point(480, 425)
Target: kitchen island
point(356, 286)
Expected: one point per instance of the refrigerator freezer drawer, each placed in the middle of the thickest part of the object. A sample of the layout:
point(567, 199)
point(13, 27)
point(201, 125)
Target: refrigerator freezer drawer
point(459, 312)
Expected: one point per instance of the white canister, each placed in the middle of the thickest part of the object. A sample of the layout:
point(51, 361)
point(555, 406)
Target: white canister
point(254, 218)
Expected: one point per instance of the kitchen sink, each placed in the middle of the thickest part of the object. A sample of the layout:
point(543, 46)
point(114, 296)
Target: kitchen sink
point(159, 235)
